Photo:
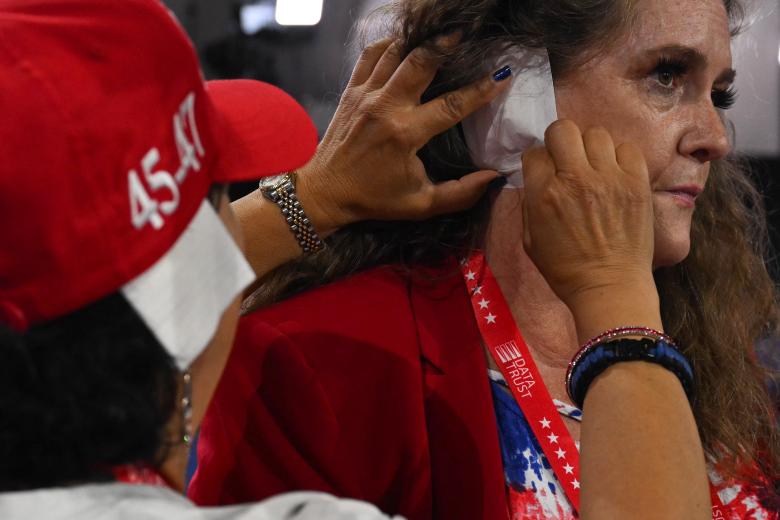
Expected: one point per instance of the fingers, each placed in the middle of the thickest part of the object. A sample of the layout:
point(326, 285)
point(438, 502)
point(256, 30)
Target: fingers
point(564, 142)
point(444, 112)
point(460, 194)
point(599, 148)
point(419, 67)
point(368, 61)
point(414, 74)
point(538, 169)
point(385, 67)
point(631, 160)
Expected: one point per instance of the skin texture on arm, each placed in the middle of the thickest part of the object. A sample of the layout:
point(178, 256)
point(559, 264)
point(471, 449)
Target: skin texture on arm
point(589, 229)
point(366, 167)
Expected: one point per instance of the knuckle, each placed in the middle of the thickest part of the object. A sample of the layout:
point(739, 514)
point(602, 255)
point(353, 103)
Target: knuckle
point(369, 112)
point(453, 105)
point(374, 48)
point(418, 59)
point(596, 132)
point(384, 122)
point(422, 203)
point(394, 51)
point(562, 126)
point(483, 88)
point(351, 95)
point(397, 131)
point(376, 107)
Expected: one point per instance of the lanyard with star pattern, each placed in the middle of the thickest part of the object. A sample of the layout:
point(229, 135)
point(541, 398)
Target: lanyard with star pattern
point(511, 354)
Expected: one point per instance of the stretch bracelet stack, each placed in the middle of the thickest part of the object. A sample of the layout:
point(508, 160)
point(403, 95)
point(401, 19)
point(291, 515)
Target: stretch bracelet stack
point(617, 345)
point(618, 333)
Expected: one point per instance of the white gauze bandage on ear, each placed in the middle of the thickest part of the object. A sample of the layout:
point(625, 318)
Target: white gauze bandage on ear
point(515, 121)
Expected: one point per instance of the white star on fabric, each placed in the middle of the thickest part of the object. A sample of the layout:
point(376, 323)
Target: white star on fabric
point(575, 484)
point(553, 438)
point(490, 318)
point(478, 289)
point(483, 304)
point(471, 276)
point(544, 422)
point(750, 503)
point(568, 469)
point(561, 454)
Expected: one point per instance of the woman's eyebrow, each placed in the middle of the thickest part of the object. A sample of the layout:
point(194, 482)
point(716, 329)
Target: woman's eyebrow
point(727, 76)
point(694, 58)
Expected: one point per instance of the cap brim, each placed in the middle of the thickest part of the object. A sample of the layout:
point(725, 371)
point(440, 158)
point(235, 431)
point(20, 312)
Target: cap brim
point(262, 130)
point(182, 297)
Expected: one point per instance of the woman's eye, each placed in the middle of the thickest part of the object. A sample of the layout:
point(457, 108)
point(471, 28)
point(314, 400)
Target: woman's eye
point(667, 73)
point(724, 99)
point(665, 78)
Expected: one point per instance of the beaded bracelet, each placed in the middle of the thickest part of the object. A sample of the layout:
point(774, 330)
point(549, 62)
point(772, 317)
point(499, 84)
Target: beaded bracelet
point(591, 362)
point(617, 333)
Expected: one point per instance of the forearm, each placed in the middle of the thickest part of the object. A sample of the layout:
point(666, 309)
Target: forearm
point(641, 452)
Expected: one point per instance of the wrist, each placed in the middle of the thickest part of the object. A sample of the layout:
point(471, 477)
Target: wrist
point(282, 191)
point(610, 306)
point(326, 214)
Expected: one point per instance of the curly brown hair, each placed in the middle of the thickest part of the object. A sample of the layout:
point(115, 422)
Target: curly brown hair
point(719, 302)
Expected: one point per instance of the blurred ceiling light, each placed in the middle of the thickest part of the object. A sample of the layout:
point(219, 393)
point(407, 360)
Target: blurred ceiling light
point(298, 12)
point(255, 17)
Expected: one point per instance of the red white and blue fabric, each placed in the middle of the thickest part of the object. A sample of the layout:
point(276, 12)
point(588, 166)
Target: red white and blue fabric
point(533, 491)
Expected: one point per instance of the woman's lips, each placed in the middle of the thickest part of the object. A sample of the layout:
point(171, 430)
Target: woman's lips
point(684, 195)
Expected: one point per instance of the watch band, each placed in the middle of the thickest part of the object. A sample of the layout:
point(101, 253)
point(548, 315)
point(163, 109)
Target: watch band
point(283, 195)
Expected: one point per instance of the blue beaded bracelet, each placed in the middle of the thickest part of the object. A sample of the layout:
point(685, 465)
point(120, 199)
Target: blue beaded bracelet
point(601, 356)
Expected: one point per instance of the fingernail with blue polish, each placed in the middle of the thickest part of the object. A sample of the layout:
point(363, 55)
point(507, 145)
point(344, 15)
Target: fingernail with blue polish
point(502, 73)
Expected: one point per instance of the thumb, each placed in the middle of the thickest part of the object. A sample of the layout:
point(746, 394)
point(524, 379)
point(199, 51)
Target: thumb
point(460, 194)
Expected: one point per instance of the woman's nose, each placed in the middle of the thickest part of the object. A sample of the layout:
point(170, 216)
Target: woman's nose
point(707, 139)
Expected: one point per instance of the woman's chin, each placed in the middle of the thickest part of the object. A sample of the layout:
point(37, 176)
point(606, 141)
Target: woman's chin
point(670, 251)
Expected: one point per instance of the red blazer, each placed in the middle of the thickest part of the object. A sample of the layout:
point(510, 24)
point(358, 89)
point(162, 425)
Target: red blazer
point(373, 388)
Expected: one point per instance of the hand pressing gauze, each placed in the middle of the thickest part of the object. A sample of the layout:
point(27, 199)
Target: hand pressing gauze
point(499, 133)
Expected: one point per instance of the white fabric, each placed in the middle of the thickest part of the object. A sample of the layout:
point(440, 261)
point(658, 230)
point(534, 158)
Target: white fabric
point(138, 502)
point(499, 133)
point(181, 298)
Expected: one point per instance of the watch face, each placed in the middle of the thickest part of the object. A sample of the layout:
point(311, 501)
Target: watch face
point(269, 183)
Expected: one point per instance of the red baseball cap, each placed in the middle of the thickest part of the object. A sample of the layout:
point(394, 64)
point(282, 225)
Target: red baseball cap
point(110, 142)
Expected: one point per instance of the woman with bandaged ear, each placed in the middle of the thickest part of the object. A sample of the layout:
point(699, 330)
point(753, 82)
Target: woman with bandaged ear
point(580, 343)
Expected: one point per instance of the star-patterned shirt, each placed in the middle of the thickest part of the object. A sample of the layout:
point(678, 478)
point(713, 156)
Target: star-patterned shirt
point(533, 490)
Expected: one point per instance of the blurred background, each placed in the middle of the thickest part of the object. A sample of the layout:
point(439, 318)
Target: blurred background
point(307, 48)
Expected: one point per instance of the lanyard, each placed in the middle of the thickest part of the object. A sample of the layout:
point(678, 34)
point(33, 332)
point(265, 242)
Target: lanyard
point(511, 354)
point(718, 509)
